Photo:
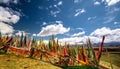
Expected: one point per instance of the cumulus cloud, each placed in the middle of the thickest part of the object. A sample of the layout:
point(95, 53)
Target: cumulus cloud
point(79, 34)
point(112, 35)
point(101, 31)
point(53, 30)
point(79, 40)
point(7, 18)
point(111, 2)
point(96, 3)
point(9, 1)
point(79, 11)
point(5, 28)
point(8, 15)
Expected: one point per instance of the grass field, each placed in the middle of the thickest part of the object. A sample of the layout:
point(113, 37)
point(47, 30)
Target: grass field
point(115, 59)
point(10, 61)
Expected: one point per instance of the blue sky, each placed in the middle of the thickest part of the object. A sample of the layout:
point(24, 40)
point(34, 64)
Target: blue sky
point(69, 20)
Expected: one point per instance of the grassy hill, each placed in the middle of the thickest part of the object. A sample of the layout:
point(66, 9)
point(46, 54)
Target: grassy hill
point(10, 61)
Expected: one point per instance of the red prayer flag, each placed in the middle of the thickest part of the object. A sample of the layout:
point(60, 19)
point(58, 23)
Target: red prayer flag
point(64, 52)
point(100, 48)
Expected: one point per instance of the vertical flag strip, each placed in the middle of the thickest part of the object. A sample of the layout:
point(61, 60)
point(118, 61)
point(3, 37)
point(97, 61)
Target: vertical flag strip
point(79, 56)
point(25, 40)
point(93, 55)
point(21, 39)
point(83, 53)
point(0, 35)
point(88, 49)
point(35, 43)
point(100, 49)
point(64, 52)
point(49, 45)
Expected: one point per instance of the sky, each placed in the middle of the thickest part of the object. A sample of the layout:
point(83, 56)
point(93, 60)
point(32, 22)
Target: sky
point(72, 21)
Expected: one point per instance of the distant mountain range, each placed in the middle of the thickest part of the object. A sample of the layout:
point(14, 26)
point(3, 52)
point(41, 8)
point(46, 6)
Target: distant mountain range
point(108, 44)
point(111, 44)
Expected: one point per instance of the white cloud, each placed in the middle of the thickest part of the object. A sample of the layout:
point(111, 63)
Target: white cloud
point(79, 40)
point(112, 35)
point(53, 30)
point(109, 19)
point(5, 28)
point(9, 1)
point(80, 29)
point(79, 34)
point(8, 15)
point(59, 22)
point(116, 23)
point(60, 3)
point(56, 6)
point(111, 2)
point(34, 35)
point(7, 18)
point(113, 10)
point(91, 18)
point(44, 23)
point(71, 40)
point(101, 31)
point(111, 14)
point(76, 1)
point(54, 13)
point(96, 3)
point(79, 11)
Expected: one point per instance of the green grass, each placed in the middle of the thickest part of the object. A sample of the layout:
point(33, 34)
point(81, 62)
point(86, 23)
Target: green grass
point(115, 58)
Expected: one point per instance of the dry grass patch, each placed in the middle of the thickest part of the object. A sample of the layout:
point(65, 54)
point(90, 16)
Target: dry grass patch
point(9, 61)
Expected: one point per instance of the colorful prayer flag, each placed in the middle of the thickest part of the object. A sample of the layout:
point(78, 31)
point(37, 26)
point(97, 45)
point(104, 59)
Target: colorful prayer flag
point(100, 49)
